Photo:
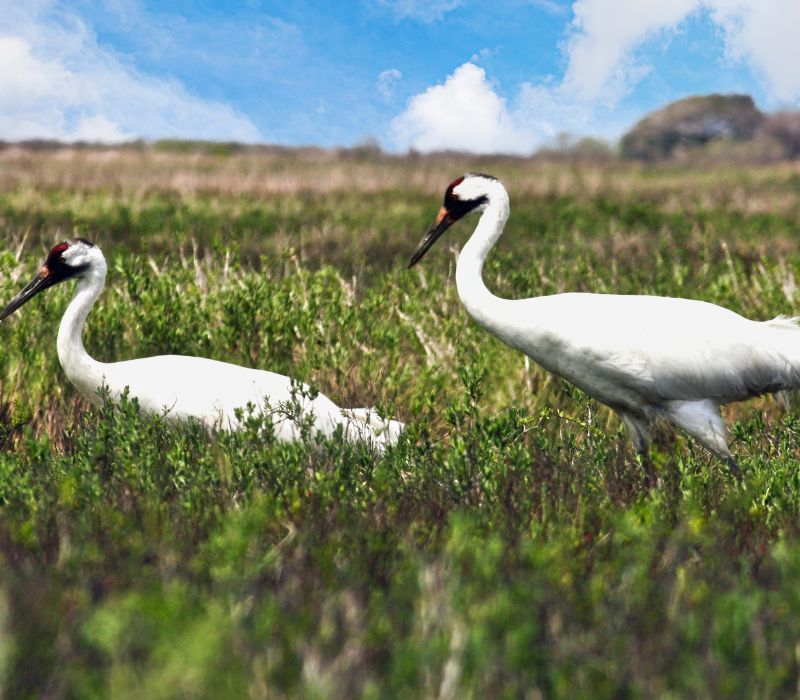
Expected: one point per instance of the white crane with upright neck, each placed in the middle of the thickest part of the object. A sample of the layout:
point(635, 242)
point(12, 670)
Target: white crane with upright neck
point(648, 358)
point(180, 387)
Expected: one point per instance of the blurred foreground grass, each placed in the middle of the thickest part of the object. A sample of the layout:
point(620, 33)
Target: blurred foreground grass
point(505, 548)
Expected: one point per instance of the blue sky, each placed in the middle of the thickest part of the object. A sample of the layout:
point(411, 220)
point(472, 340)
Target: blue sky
point(505, 75)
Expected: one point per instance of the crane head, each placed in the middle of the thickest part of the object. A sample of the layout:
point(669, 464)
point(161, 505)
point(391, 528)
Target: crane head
point(463, 196)
point(64, 261)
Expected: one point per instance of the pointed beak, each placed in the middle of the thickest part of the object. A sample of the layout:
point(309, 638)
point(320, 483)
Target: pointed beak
point(441, 223)
point(38, 284)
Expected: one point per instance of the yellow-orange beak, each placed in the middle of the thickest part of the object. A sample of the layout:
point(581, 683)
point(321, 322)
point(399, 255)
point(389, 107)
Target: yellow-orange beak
point(440, 224)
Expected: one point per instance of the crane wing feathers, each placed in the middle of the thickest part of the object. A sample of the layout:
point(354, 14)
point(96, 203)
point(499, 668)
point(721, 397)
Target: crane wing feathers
point(754, 359)
point(631, 349)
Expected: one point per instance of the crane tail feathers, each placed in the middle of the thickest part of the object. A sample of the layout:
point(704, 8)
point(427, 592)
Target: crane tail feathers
point(785, 398)
point(385, 428)
point(785, 322)
point(702, 420)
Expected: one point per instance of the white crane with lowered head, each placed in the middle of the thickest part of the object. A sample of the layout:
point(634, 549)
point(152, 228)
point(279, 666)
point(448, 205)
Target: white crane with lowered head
point(180, 387)
point(648, 358)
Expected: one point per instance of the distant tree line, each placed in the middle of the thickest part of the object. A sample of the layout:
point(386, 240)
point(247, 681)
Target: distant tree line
point(710, 127)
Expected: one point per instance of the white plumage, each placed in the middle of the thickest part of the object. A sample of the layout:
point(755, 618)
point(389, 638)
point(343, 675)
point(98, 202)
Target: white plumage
point(647, 357)
point(180, 387)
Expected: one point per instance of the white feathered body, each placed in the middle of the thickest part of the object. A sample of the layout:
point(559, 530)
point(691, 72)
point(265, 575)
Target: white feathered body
point(638, 352)
point(180, 387)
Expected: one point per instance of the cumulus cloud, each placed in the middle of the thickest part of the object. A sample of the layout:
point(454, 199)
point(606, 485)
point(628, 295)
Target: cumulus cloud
point(57, 82)
point(604, 62)
point(466, 113)
point(463, 113)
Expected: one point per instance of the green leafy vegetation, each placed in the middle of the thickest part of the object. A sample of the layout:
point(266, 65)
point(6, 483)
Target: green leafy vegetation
point(506, 547)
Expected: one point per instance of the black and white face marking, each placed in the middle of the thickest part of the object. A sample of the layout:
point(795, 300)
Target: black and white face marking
point(460, 206)
point(64, 261)
point(457, 204)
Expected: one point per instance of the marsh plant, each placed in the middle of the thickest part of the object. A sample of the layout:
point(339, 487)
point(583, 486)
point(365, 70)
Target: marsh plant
point(505, 547)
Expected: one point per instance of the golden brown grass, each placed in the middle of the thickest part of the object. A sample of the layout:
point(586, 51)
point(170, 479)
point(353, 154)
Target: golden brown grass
point(292, 171)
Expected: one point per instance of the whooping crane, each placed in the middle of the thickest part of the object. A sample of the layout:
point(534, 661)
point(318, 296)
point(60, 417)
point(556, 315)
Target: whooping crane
point(646, 357)
point(180, 387)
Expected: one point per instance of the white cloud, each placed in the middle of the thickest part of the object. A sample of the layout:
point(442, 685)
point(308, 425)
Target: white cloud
point(604, 34)
point(387, 79)
point(57, 82)
point(98, 128)
point(603, 64)
point(421, 10)
point(764, 34)
point(464, 113)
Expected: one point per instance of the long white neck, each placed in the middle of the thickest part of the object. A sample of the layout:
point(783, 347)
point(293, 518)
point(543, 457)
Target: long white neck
point(486, 308)
point(81, 369)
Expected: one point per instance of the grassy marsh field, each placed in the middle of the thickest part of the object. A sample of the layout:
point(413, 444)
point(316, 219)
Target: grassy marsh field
point(505, 548)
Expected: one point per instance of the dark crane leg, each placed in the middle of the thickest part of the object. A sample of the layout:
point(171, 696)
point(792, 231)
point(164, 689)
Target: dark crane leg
point(643, 457)
point(734, 467)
